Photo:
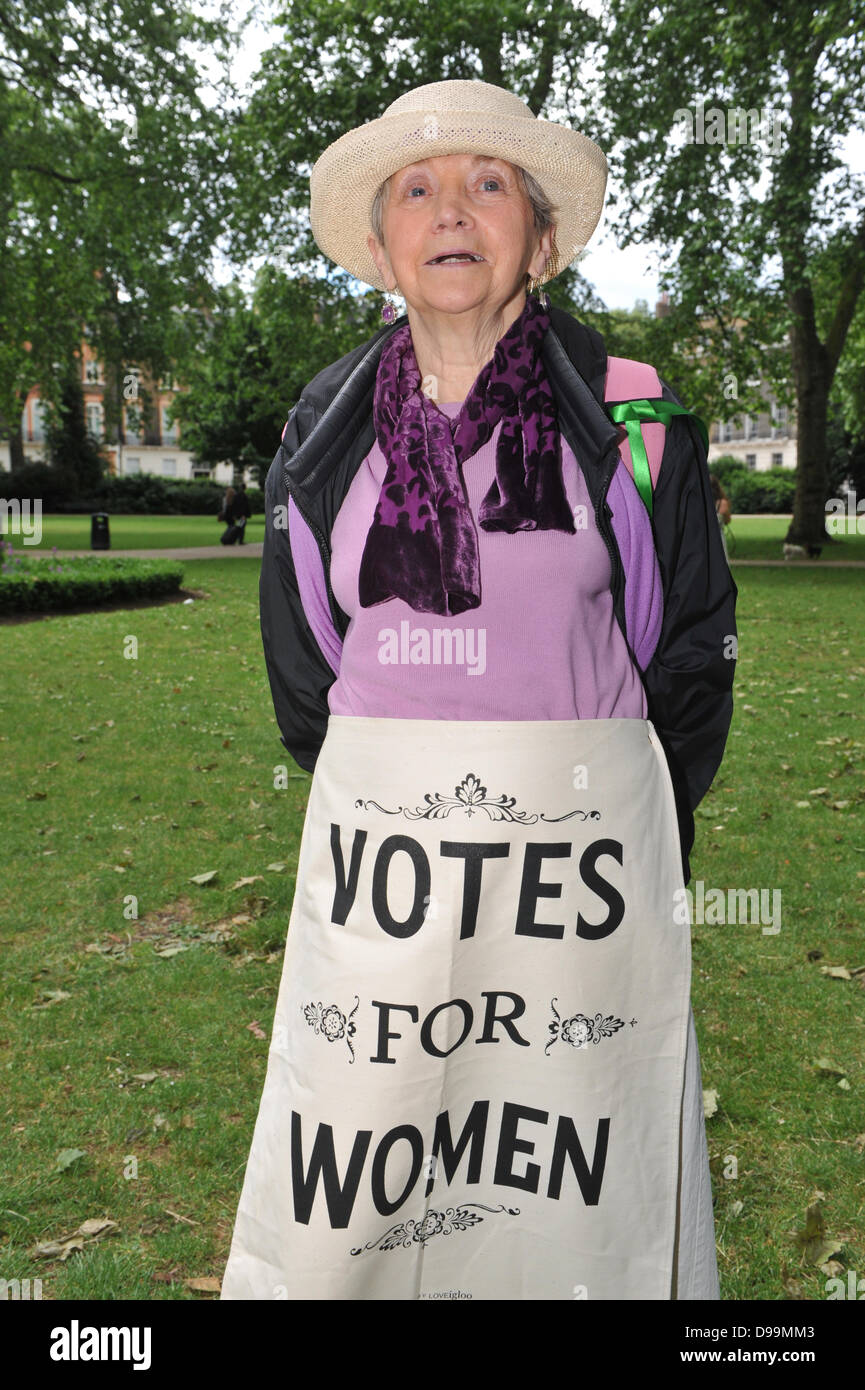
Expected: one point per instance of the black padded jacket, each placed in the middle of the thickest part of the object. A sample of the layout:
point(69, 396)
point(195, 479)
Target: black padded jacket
point(689, 679)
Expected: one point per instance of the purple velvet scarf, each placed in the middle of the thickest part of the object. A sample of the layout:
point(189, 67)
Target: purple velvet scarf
point(422, 545)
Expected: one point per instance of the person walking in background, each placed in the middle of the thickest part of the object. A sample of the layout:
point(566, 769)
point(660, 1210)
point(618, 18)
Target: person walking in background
point(226, 505)
point(235, 511)
point(722, 507)
point(241, 511)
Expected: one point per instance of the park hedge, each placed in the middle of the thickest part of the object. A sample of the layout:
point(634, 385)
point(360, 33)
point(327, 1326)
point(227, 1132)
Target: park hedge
point(37, 584)
point(136, 493)
point(751, 492)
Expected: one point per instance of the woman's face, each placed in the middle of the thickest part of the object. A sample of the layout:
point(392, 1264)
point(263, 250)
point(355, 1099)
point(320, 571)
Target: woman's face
point(458, 202)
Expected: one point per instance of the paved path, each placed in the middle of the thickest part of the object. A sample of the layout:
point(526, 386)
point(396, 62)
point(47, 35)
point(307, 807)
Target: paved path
point(251, 550)
point(801, 564)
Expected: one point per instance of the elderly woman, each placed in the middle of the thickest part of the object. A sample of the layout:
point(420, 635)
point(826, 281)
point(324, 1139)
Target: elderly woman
point(500, 629)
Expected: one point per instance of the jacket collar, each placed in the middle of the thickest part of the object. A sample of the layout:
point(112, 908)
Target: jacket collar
point(576, 363)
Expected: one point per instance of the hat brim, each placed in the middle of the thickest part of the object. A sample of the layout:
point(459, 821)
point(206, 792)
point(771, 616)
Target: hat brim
point(571, 169)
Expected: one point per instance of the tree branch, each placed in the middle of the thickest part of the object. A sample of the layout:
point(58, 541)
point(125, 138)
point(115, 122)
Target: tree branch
point(848, 298)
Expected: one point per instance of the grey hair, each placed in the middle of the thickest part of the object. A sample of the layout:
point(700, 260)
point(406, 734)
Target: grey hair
point(543, 212)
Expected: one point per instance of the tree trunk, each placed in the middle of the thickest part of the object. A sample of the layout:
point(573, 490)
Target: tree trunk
point(16, 447)
point(811, 377)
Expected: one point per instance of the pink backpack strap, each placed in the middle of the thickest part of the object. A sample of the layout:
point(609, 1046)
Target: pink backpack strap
point(632, 381)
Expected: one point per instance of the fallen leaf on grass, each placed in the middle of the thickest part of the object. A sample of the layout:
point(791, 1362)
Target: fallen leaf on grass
point(167, 951)
point(832, 1268)
point(836, 972)
point(710, 1104)
point(794, 1289)
point(207, 1284)
point(66, 1158)
point(54, 1249)
point(256, 1029)
point(817, 1247)
point(276, 868)
point(89, 1231)
point(204, 878)
point(245, 882)
point(96, 1226)
point(52, 996)
point(827, 1067)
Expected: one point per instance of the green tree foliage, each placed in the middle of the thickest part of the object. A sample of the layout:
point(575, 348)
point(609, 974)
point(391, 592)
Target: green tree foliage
point(250, 362)
point(746, 220)
point(340, 64)
point(113, 169)
point(70, 448)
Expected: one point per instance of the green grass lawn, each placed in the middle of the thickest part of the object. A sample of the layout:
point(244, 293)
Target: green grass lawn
point(126, 777)
point(134, 532)
point(754, 537)
point(761, 538)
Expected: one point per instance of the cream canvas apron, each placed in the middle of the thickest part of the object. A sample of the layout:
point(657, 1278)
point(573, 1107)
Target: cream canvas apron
point(475, 1081)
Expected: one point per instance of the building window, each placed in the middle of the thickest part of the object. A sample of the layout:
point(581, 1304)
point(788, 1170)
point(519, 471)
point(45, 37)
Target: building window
point(93, 373)
point(169, 468)
point(752, 430)
point(751, 460)
point(727, 431)
point(94, 420)
point(777, 460)
point(132, 430)
point(131, 465)
point(167, 382)
point(779, 422)
point(35, 431)
point(169, 432)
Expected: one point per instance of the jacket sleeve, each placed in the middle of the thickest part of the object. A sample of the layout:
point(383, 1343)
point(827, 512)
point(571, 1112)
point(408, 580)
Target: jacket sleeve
point(689, 680)
point(299, 675)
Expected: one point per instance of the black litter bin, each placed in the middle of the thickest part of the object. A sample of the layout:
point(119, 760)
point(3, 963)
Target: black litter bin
point(100, 536)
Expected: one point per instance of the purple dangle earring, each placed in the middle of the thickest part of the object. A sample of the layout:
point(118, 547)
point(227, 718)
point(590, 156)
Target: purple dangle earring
point(388, 311)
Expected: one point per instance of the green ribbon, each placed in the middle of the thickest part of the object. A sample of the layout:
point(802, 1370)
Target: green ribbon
point(632, 414)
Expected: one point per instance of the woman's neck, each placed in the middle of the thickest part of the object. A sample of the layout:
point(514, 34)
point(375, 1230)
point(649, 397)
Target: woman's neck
point(452, 349)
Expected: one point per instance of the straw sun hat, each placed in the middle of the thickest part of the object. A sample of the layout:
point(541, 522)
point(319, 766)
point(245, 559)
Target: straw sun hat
point(458, 117)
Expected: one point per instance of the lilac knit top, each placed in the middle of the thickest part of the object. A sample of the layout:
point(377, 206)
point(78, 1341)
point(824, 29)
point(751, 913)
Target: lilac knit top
point(544, 642)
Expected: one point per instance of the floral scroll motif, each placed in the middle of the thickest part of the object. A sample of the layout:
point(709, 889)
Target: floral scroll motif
point(331, 1022)
point(434, 1223)
point(581, 1030)
point(471, 796)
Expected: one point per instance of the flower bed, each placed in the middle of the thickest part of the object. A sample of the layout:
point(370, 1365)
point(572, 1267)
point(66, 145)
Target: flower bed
point(32, 583)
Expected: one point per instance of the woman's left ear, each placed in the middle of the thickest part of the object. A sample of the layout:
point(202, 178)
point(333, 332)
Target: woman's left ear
point(382, 260)
point(539, 261)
